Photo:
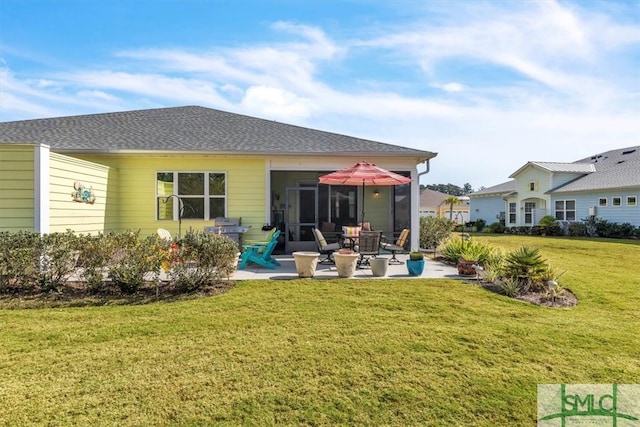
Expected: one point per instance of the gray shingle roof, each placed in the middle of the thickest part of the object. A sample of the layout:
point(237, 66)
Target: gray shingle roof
point(190, 128)
point(500, 189)
point(613, 158)
point(623, 175)
point(619, 168)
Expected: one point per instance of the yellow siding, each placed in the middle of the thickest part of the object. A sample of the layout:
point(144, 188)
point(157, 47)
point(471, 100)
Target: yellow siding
point(137, 189)
point(65, 213)
point(17, 187)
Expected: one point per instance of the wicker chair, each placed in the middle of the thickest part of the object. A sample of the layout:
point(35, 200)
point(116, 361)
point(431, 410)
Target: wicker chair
point(369, 246)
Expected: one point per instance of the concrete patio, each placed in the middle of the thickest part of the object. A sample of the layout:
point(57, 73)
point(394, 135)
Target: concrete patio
point(433, 270)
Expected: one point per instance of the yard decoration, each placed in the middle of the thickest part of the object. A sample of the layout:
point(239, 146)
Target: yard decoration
point(415, 263)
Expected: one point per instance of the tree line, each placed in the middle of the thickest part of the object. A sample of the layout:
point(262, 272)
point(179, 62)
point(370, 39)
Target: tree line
point(450, 189)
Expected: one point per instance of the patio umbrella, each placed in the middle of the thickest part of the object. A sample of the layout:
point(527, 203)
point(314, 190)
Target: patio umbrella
point(363, 173)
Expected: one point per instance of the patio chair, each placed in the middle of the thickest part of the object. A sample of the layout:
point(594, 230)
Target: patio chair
point(164, 234)
point(260, 254)
point(325, 248)
point(264, 241)
point(350, 236)
point(396, 247)
point(365, 226)
point(369, 246)
point(329, 232)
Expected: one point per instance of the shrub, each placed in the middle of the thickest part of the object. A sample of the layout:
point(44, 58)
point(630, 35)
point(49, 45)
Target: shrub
point(134, 261)
point(480, 224)
point(527, 266)
point(30, 261)
point(454, 249)
point(511, 287)
point(577, 229)
point(58, 253)
point(547, 220)
point(202, 258)
point(497, 228)
point(95, 253)
point(494, 265)
point(19, 261)
point(434, 230)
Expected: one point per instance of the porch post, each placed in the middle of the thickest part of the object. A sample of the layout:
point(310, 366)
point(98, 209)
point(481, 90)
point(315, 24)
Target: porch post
point(41, 180)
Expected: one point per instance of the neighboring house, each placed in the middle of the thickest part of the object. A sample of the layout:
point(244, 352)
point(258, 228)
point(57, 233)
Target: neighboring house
point(488, 204)
point(432, 203)
point(134, 170)
point(605, 185)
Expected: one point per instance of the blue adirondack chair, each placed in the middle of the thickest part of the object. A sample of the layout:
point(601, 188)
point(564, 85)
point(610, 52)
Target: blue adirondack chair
point(260, 254)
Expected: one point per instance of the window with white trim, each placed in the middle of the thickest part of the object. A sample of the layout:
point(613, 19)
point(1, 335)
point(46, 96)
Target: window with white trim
point(602, 202)
point(512, 213)
point(565, 210)
point(203, 195)
point(529, 208)
point(533, 185)
point(632, 201)
point(616, 201)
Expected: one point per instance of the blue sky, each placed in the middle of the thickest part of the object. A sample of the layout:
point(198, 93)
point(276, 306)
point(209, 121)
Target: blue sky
point(488, 85)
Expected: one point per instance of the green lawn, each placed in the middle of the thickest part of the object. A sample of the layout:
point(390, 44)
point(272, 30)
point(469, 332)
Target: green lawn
point(316, 352)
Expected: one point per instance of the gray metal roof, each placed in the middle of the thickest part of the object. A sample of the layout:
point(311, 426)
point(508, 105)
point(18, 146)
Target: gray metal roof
point(189, 129)
point(559, 167)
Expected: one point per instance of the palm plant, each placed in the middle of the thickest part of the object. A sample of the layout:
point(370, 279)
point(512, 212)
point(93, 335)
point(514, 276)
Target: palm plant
point(527, 266)
point(451, 200)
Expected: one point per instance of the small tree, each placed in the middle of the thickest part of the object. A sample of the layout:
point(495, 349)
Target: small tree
point(433, 231)
point(451, 200)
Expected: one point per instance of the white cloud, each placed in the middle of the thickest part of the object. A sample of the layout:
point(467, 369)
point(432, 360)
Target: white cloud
point(98, 94)
point(449, 87)
point(276, 103)
point(516, 81)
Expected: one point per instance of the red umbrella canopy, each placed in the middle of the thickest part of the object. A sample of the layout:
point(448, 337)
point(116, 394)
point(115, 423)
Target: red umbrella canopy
point(363, 173)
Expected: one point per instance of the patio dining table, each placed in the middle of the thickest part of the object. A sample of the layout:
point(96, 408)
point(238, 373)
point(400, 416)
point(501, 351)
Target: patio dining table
point(350, 240)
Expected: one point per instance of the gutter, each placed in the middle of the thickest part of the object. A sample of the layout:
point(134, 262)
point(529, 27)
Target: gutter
point(426, 171)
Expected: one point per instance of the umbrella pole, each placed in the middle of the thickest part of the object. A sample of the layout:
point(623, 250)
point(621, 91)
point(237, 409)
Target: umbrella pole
point(362, 217)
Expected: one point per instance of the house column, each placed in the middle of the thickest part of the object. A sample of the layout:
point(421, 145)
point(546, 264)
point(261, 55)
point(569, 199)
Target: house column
point(41, 190)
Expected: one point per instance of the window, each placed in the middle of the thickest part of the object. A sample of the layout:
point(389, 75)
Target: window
point(602, 202)
point(203, 195)
point(565, 210)
point(632, 201)
point(512, 213)
point(533, 186)
point(529, 208)
point(616, 201)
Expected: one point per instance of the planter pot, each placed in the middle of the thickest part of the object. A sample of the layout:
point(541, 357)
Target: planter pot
point(379, 266)
point(306, 263)
point(466, 267)
point(346, 264)
point(415, 267)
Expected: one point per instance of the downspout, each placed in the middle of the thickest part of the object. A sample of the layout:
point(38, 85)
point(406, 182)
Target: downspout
point(426, 171)
point(415, 222)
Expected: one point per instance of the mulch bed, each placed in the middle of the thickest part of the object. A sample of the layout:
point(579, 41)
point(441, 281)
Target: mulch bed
point(75, 294)
point(567, 299)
